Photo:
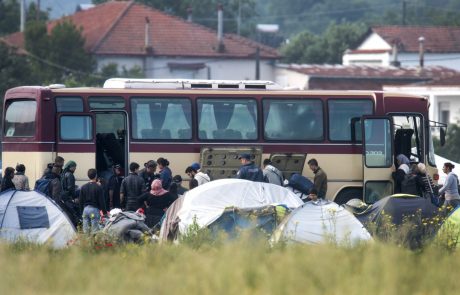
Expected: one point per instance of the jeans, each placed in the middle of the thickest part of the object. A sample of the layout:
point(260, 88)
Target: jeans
point(91, 218)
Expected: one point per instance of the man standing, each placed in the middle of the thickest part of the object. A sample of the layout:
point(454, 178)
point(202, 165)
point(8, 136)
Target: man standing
point(249, 170)
point(91, 202)
point(131, 188)
point(114, 187)
point(272, 174)
point(320, 180)
point(148, 174)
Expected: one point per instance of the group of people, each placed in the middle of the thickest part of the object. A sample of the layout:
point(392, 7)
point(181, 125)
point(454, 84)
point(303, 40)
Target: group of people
point(15, 178)
point(412, 179)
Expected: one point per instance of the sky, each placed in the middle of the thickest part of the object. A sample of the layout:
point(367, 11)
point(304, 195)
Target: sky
point(60, 7)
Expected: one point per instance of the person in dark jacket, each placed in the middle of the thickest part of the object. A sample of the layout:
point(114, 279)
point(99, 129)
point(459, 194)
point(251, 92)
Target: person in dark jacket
point(55, 187)
point(7, 180)
point(68, 181)
point(114, 187)
point(156, 202)
point(249, 170)
point(58, 161)
point(178, 181)
point(165, 172)
point(148, 174)
point(131, 188)
point(91, 203)
point(320, 179)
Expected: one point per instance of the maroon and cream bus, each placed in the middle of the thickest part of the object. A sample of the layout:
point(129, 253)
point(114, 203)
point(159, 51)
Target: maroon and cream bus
point(354, 135)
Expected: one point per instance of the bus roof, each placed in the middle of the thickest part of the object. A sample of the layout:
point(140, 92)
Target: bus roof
point(207, 91)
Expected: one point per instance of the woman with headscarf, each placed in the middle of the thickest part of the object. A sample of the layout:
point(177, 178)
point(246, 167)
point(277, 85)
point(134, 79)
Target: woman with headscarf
point(20, 180)
point(156, 201)
point(400, 173)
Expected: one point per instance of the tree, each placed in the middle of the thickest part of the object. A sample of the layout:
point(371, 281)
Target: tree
point(59, 54)
point(327, 48)
point(9, 16)
point(14, 69)
point(451, 150)
point(67, 49)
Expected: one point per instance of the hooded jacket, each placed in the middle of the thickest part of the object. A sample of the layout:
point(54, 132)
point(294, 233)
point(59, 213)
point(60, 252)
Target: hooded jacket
point(273, 175)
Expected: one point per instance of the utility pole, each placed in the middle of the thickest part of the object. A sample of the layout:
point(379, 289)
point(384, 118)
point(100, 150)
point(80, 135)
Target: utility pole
point(23, 16)
point(37, 13)
point(238, 20)
point(404, 7)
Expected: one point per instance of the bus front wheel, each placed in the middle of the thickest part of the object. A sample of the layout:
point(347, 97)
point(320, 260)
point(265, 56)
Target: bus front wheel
point(347, 194)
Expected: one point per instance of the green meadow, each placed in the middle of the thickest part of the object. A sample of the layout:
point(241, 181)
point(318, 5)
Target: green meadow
point(243, 266)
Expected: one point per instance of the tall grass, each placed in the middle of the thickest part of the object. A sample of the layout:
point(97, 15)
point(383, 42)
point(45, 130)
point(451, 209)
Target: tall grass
point(242, 266)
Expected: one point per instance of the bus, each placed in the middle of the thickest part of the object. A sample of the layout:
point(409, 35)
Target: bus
point(354, 135)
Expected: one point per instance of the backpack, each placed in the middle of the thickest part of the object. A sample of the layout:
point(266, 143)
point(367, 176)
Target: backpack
point(300, 183)
point(43, 185)
point(409, 185)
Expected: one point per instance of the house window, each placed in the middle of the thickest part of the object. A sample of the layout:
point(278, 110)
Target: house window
point(444, 112)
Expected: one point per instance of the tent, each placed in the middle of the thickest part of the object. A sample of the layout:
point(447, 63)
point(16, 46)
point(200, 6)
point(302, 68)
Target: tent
point(440, 162)
point(321, 222)
point(449, 232)
point(206, 203)
point(385, 218)
point(34, 217)
point(398, 207)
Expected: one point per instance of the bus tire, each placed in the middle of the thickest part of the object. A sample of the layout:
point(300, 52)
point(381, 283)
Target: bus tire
point(347, 194)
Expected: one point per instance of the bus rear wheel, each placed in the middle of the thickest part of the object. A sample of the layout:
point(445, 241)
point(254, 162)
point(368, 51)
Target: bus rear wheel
point(347, 194)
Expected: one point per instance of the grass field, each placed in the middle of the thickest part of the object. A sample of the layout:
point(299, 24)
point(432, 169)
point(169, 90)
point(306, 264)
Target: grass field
point(246, 266)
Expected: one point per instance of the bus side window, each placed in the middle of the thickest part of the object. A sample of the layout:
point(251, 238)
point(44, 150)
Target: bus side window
point(342, 114)
point(20, 118)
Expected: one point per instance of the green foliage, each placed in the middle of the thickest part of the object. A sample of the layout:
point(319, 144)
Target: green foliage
point(451, 150)
point(59, 55)
point(327, 48)
point(14, 69)
point(9, 16)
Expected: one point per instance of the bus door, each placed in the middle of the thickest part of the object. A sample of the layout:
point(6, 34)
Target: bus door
point(377, 158)
point(111, 141)
point(76, 141)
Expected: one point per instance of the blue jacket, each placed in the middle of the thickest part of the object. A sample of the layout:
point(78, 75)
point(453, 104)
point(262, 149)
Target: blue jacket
point(166, 177)
point(250, 172)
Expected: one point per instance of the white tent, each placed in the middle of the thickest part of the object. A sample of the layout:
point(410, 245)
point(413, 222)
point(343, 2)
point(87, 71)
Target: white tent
point(32, 216)
point(321, 222)
point(440, 162)
point(207, 202)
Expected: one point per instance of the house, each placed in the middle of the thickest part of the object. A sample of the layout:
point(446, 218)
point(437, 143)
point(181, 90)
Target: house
point(163, 46)
point(443, 94)
point(400, 45)
point(355, 77)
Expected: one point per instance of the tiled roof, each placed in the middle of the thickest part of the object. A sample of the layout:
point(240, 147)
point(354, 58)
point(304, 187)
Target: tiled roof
point(437, 39)
point(448, 82)
point(361, 77)
point(118, 28)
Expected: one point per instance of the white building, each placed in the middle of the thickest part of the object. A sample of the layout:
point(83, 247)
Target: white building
point(383, 45)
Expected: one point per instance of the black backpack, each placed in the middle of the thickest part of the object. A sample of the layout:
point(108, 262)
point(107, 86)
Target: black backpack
point(409, 185)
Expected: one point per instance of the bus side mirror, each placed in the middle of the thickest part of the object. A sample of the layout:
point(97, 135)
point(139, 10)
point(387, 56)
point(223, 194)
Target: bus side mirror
point(442, 136)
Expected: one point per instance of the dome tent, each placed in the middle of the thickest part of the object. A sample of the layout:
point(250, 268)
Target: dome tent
point(321, 222)
point(34, 217)
point(207, 203)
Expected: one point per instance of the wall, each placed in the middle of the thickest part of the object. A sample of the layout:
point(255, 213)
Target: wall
point(216, 68)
